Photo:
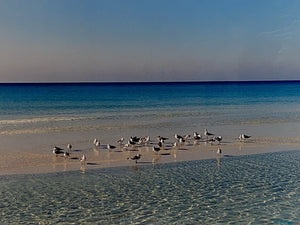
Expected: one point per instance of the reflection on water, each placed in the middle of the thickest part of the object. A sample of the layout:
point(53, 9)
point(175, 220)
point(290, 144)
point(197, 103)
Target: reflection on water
point(252, 189)
point(219, 160)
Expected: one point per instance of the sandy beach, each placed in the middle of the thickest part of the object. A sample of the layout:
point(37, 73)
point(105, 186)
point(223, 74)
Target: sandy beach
point(26, 162)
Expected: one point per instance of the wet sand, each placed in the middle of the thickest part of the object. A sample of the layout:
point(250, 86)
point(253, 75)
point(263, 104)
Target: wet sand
point(16, 162)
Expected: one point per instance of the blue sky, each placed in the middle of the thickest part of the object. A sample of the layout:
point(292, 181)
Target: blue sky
point(153, 40)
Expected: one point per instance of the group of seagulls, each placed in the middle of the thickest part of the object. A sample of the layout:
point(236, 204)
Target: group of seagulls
point(140, 141)
point(57, 151)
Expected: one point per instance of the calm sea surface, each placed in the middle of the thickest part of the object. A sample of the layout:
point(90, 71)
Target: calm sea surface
point(108, 111)
point(256, 189)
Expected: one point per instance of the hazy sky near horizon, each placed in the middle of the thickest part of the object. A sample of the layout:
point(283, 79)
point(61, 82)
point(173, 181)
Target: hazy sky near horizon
point(153, 40)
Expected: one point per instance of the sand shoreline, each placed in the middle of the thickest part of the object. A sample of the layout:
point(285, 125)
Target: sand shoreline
point(34, 163)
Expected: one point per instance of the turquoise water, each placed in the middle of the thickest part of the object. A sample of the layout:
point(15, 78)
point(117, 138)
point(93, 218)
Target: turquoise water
point(138, 109)
point(255, 189)
point(35, 100)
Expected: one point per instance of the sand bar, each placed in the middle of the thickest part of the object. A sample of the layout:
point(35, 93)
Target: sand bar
point(26, 162)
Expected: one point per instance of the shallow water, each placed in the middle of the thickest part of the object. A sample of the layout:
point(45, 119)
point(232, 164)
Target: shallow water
point(253, 189)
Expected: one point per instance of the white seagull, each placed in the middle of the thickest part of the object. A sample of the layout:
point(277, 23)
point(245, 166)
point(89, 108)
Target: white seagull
point(197, 136)
point(186, 137)
point(120, 141)
point(69, 147)
point(175, 145)
point(66, 155)
point(218, 138)
point(177, 137)
point(109, 147)
point(95, 141)
point(147, 139)
point(181, 140)
point(244, 137)
point(155, 149)
point(161, 144)
point(83, 159)
point(210, 140)
point(206, 133)
point(57, 150)
point(159, 138)
point(136, 157)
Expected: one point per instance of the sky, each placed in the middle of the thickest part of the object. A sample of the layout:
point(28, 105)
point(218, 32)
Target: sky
point(149, 40)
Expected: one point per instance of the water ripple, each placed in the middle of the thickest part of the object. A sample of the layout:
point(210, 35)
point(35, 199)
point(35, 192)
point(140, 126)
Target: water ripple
point(256, 189)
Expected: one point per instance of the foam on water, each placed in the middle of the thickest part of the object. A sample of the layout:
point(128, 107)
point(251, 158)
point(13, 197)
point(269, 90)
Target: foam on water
point(256, 189)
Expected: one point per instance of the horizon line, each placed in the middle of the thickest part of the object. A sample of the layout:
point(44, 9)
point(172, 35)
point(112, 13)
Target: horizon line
point(145, 82)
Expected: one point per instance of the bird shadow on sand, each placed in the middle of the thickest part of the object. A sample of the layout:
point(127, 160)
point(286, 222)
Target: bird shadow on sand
point(74, 158)
point(190, 144)
point(165, 154)
point(93, 164)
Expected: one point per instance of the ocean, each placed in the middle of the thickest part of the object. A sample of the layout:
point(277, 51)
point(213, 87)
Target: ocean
point(81, 112)
point(245, 189)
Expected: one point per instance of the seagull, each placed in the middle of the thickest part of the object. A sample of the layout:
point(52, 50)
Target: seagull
point(197, 136)
point(206, 133)
point(218, 138)
point(141, 141)
point(131, 142)
point(66, 155)
point(83, 159)
point(57, 150)
point(219, 151)
point(186, 137)
point(161, 143)
point(95, 141)
point(126, 146)
point(156, 149)
point(69, 146)
point(178, 137)
point(211, 140)
point(134, 139)
point(109, 147)
point(159, 138)
point(120, 141)
point(136, 157)
point(243, 137)
point(175, 145)
point(147, 139)
point(181, 140)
